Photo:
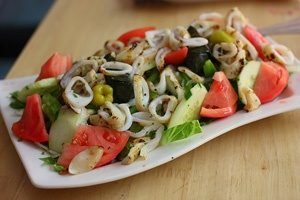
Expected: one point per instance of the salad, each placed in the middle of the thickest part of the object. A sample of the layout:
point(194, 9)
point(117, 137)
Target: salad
point(147, 88)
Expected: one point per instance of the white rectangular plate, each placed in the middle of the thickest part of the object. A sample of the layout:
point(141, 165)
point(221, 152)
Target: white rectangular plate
point(41, 176)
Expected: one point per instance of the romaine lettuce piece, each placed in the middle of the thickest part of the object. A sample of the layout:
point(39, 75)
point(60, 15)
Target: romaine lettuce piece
point(181, 131)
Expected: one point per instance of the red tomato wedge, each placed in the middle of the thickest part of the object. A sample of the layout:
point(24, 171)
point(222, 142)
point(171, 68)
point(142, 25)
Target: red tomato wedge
point(31, 126)
point(176, 57)
point(68, 153)
point(218, 112)
point(56, 65)
point(112, 141)
point(221, 98)
point(139, 32)
point(257, 40)
point(271, 80)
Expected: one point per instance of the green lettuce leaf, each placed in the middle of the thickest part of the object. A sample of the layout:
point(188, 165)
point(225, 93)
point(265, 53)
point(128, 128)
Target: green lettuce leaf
point(181, 131)
point(50, 106)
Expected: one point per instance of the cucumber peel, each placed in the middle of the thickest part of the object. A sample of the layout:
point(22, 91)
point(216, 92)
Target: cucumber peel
point(40, 87)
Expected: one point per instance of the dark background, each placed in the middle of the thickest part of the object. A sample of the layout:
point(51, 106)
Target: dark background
point(18, 20)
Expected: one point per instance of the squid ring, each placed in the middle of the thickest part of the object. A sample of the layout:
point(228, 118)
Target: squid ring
point(168, 104)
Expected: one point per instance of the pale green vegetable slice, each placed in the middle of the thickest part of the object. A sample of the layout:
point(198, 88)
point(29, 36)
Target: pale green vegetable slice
point(247, 78)
point(86, 160)
point(64, 128)
point(181, 131)
point(41, 87)
point(188, 109)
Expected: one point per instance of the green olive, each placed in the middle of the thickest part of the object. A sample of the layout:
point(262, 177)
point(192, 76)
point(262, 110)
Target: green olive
point(98, 100)
point(109, 98)
point(102, 93)
point(107, 90)
point(98, 88)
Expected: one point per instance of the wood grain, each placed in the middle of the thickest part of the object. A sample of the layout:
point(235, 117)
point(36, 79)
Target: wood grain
point(257, 161)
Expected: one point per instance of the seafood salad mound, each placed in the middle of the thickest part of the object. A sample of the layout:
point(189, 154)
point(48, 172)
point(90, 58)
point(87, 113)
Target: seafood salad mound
point(149, 87)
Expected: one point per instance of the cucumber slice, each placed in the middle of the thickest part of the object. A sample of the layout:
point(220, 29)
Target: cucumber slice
point(41, 87)
point(188, 110)
point(64, 128)
point(247, 77)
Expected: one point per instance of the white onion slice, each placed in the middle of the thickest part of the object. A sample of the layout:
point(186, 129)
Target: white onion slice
point(86, 160)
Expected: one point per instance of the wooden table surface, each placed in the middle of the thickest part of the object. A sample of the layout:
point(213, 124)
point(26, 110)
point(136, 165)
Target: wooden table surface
point(257, 161)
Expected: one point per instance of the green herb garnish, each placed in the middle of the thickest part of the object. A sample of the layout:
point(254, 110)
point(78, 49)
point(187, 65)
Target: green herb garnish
point(52, 162)
point(15, 103)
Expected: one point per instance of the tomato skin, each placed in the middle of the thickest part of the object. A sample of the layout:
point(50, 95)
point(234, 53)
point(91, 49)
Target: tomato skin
point(218, 112)
point(271, 80)
point(112, 141)
point(176, 57)
point(56, 65)
point(221, 94)
point(257, 40)
point(220, 101)
point(69, 152)
point(31, 126)
point(139, 32)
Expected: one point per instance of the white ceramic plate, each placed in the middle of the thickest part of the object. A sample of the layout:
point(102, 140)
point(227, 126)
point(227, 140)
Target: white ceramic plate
point(41, 176)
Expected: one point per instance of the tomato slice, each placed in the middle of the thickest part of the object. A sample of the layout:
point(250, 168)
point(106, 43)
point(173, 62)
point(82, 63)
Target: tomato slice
point(271, 80)
point(112, 141)
point(139, 32)
point(176, 57)
point(56, 65)
point(218, 112)
point(68, 153)
point(31, 126)
point(221, 98)
point(257, 40)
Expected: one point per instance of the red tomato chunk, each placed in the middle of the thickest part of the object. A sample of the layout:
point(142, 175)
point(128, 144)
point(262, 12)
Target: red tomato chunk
point(56, 65)
point(176, 57)
point(271, 80)
point(112, 141)
point(139, 32)
point(31, 126)
point(221, 98)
